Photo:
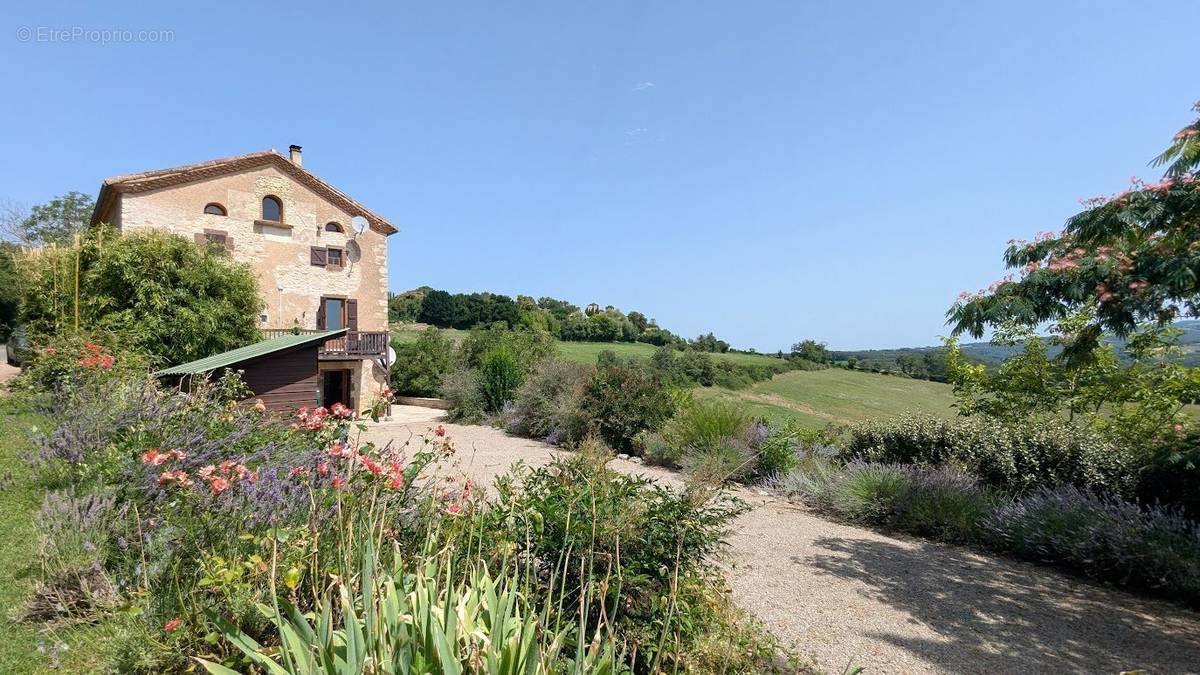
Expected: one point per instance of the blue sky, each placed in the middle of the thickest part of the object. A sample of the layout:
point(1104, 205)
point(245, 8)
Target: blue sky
point(767, 171)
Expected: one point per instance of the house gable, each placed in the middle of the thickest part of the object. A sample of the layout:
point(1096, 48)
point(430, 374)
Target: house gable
point(148, 181)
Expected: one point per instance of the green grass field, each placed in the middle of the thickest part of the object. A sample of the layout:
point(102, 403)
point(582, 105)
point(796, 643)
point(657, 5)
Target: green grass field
point(407, 332)
point(580, 352)
point(836, 396)
point(586, 352)
point(813, 398)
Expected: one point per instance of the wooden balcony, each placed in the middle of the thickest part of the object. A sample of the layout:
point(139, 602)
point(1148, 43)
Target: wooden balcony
point(353, 346)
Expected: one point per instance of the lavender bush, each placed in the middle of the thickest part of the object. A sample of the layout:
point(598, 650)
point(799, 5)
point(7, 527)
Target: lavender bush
point(78, 536)
point(945, 503)
point(1103, 537)
point(75, 529)
point(867, 493)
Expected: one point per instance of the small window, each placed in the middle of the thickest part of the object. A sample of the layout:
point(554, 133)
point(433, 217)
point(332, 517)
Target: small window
point(272, 209)
point(334, 257)
point(333, 227)
point(215, 209)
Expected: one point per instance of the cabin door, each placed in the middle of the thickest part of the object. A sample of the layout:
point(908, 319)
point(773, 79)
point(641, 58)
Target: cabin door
point(335, 388)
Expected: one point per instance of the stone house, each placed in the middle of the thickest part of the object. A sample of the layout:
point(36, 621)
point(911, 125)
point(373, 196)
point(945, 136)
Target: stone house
point(320, 256)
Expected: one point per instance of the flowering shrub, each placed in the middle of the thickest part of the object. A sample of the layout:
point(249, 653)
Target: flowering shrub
point(300, 510)
point(210, 510)
point(326, 424)
point(78, 533)
point(71, 361)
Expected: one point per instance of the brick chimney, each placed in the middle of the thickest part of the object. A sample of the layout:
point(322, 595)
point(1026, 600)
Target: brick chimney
point(294, 154)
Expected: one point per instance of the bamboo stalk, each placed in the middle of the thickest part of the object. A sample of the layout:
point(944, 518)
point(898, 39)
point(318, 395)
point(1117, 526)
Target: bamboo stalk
point(77, 253)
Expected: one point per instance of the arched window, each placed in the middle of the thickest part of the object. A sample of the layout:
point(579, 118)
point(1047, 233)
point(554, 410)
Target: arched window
point(272, 209)
point(333, 227)
point(215, 209)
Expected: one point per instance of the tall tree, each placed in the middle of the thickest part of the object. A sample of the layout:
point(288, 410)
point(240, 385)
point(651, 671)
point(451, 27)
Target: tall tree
point(1127, 258)
point(639, 321)
point(438, 309)
point(811, 350)
point(55, 222)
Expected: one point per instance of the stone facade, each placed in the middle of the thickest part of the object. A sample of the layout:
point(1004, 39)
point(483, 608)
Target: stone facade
point(279, 253)
point(290, 284)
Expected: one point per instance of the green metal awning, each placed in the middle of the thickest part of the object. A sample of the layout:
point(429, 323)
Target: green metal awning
point(254, 351)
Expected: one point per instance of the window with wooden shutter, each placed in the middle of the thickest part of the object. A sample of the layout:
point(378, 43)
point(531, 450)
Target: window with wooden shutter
point(334, 257)
point(318, 256)
point(215, 238)
point(352, 314)
point(333, 313)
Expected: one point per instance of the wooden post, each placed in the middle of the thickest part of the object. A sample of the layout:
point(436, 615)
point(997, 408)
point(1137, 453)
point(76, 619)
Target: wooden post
point(54, 283)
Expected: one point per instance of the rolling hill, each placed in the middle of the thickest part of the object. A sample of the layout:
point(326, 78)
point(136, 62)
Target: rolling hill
point(837, 396)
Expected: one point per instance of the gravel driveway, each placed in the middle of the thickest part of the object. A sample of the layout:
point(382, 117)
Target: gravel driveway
point(843, 594)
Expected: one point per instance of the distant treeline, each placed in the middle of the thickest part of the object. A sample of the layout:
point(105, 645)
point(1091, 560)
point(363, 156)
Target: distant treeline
point(921, 363)
point(930, 362)
point(562, 319)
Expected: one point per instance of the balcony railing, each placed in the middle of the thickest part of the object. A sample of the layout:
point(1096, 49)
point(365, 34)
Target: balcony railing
point(355, 344)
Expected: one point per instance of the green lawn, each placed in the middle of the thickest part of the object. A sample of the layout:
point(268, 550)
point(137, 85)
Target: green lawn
point(407, 332)
point(20, 499)
point(586, 352)
point(837, 396)
point(581, 352)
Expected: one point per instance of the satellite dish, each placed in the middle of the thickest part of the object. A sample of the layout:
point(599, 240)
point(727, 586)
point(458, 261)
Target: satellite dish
point(353, 251)
point(359, 224)
point(391, 358)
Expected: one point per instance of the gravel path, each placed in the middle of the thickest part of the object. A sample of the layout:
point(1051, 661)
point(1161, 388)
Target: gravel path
point(895, 604)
